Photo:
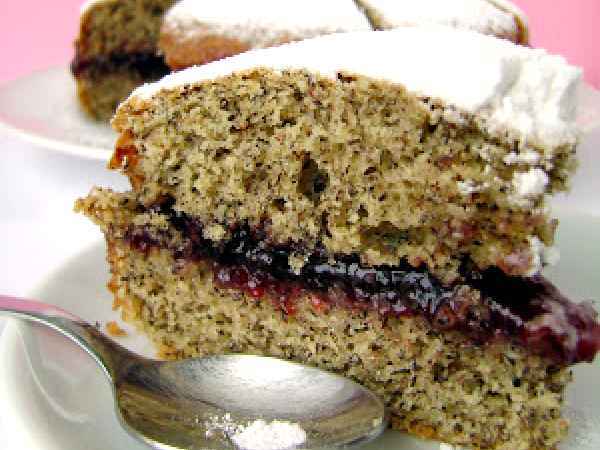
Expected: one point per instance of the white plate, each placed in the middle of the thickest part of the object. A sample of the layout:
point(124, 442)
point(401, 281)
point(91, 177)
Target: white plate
point(42, 108)
point(57, 399)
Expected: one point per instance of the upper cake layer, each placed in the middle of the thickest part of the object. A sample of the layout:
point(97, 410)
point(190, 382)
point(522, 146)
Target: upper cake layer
point(500, 19)
point(322, 146)
point(522, 93)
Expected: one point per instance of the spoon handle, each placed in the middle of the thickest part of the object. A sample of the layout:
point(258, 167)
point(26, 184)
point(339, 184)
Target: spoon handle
point(111, 356)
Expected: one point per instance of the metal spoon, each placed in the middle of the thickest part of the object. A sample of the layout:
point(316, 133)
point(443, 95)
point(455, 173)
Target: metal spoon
point(206, 403)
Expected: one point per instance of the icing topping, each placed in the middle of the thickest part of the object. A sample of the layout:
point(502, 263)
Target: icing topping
point(531, 183)
point(262, 23)
point(524, 92)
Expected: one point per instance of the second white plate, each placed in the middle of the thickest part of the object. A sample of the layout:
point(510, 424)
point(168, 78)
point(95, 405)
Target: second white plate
point(42, 108)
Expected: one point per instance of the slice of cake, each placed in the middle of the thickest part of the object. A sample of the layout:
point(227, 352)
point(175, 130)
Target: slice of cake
point(199, 32)
point(195, 32)
point(381, 217)
point(498, 18)
point(117, 46)
point(116, 51)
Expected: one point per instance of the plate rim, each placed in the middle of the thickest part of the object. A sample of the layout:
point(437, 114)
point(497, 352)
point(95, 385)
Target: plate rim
point(86, 151)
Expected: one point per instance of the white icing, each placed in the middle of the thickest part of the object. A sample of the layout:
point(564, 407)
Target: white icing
point(261, 23)
point(541, 255)
point(483, 150)
point(446, 447)
point(536, 251)
point(512, 88)
point(531, 183)
point(476, 15)
point(530, 157)
point(469, 187)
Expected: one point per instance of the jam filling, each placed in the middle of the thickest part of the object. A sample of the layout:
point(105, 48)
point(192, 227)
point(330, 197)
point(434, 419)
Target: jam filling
point(147, 64)
point(485, 305)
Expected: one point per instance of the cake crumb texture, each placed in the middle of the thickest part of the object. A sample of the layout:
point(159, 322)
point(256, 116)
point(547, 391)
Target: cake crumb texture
point(120, 27)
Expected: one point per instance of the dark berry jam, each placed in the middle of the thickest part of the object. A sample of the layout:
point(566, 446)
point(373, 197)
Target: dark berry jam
point(484, 305)
point(147, 64)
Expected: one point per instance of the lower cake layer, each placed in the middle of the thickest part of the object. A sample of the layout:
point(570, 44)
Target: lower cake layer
point(436, 384)
point(103, 83)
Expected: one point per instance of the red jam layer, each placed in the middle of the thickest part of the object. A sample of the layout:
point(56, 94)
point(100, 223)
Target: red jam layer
point(485, 305)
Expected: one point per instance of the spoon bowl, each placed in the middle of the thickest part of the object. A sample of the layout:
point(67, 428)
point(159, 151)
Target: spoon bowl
point(206, 402)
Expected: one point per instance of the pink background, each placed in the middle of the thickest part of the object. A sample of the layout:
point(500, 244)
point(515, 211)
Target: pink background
point(35, 34)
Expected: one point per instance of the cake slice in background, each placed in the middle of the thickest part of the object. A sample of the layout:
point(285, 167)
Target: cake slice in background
point(498, 18)
point(116, 51)
point(199, 32)
point(117, 48)
point(381, 217)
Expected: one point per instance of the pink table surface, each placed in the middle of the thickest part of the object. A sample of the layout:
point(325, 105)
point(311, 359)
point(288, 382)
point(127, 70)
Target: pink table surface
point(35, 34)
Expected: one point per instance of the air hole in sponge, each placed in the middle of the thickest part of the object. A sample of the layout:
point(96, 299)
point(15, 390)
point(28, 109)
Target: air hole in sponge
point(428, 131)
point(312, 181)
point(325, 224)
point(220, 153)
point(279, 204)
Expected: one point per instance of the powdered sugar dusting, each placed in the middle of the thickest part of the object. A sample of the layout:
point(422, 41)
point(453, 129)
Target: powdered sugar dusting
point(256, 435)
point(275, 435)
point(527, 156)
point(525, 92)
point(476, 15)
point(531, 183)
point(450, 447)
point(224, 425)
point(261, 23)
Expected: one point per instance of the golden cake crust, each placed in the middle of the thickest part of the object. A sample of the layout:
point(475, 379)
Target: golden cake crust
point(197, 49)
